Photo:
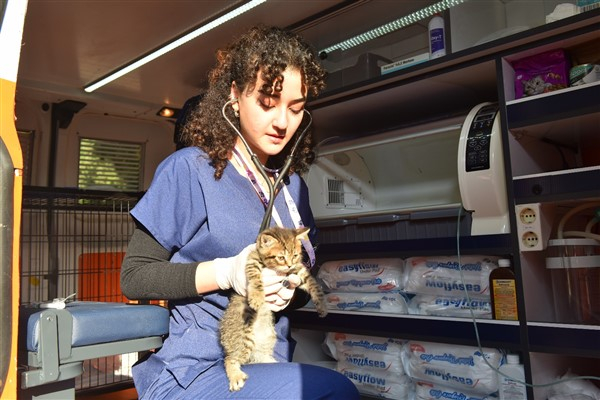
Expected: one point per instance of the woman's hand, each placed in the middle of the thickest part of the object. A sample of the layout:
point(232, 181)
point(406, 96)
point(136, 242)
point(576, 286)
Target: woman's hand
point(279, 289)
point(230, 273)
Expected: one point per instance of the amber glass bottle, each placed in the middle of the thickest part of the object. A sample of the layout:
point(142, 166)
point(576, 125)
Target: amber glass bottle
point(503, 291)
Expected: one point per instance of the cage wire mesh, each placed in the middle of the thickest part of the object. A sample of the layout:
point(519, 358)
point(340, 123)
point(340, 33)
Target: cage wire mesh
point(72, 243)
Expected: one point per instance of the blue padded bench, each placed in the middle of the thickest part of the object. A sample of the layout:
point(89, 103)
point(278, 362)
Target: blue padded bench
point(59, 340)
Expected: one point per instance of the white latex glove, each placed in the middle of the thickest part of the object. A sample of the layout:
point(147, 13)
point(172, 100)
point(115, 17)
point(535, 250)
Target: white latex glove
point(230, 273)
point(279, 289)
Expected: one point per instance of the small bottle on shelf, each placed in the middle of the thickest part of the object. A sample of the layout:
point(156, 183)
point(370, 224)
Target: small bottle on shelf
point(512, 386)
point(437, 37)
point(503, 292)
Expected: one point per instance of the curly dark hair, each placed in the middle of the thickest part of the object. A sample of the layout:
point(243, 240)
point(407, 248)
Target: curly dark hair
point(268, 50)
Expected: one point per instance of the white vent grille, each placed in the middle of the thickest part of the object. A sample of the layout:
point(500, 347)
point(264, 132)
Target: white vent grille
point(335, 190)
point(343, 194)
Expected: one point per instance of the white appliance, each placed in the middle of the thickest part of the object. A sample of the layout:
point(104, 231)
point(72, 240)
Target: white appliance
point(395, 175)
point(481, 175)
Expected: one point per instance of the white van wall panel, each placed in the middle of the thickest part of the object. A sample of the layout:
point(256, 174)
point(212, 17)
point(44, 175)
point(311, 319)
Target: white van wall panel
point(157, 137)
point(31, 117)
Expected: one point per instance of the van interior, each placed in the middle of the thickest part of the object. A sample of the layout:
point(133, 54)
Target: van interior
point(102, 85)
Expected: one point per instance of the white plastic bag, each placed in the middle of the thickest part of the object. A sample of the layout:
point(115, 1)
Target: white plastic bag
point(363, 275)
point(447, 306)
point(385, 302)
point(453, 366)
point(442, 275)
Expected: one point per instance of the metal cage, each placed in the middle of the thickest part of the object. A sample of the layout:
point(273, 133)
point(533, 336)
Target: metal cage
point(72, 243)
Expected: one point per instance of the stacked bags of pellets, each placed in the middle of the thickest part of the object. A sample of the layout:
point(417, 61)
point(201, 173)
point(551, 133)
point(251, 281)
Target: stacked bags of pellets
point(441, 371)
point(441, 286)
point(368, 285)
point(373, 364)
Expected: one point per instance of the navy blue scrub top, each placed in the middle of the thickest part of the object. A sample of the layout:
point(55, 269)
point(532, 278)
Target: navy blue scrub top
point(199, 218)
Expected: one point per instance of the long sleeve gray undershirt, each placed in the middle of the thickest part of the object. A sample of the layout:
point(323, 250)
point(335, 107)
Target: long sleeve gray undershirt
point(147, 273)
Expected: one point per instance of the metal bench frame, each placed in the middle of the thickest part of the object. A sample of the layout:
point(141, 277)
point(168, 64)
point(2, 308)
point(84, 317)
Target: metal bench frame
point(52, 369)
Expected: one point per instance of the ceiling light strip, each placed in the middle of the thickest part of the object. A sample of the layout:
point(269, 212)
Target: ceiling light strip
point(172, 45)
point(394, 25)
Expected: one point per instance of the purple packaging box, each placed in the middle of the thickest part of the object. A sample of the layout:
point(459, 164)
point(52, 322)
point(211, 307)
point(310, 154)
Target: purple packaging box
point(541, 73)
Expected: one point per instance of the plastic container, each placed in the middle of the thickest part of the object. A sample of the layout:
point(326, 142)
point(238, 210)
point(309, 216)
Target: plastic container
point(574, 266)
point(512, 388)
point(437, 37)
point(503, 292)
point(583, 74)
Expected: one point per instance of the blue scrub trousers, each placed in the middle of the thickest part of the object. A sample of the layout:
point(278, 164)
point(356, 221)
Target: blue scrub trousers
point(289, 381)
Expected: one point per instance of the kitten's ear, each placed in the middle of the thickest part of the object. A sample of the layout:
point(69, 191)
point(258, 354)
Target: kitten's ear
point(302, 233)
point(266, 240)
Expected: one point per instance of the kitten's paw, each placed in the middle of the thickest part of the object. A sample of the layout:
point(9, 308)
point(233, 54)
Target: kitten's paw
point(256, 302)
point(322, 311)
point(237, 381)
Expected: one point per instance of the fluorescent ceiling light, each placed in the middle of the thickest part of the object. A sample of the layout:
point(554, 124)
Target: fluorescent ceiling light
point(172, 45)
point(393, 26)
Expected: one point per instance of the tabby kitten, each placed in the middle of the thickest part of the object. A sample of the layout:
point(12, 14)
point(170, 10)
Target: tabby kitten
point(248, 325)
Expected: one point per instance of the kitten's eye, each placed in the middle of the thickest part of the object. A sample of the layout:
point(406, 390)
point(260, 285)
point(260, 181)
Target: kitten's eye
point(281, 259)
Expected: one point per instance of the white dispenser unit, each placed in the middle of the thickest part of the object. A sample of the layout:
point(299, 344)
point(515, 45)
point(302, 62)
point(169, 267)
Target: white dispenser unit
point(481, 171)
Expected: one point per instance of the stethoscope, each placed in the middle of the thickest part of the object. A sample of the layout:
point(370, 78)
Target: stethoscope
point(282, 173)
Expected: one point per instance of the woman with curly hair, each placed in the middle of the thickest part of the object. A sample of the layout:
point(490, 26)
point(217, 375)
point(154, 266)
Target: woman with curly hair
point(200, 217)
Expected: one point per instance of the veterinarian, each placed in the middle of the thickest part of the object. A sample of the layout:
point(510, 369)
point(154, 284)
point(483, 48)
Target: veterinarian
point(201, 215)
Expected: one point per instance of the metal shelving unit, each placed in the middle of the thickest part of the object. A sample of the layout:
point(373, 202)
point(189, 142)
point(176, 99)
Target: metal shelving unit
point(377, 104)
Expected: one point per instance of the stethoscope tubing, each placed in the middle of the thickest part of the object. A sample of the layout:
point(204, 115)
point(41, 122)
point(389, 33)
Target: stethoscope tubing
point(266, 222)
